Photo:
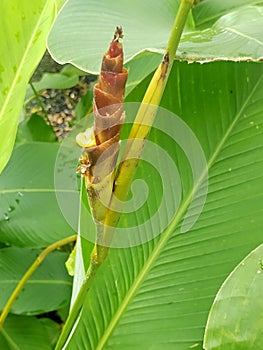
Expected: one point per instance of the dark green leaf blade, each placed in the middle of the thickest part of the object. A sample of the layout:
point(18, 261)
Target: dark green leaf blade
point(47, 289)
point(53, 330)
point(34, 128)
point(158, 295)
point(24, 333)
point(30, 215)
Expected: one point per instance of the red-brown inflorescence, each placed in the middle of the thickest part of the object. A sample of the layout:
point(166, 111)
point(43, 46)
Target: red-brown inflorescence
point(102, 148)
point(109, 92)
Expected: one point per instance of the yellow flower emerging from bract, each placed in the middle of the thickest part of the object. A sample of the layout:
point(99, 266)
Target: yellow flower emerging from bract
point(86, 138)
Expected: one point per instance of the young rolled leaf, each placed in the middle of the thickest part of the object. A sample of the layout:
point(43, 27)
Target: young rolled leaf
point(101, 142)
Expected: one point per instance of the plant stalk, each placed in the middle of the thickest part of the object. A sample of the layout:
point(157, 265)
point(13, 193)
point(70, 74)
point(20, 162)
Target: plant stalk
point(142, 126)
point(128, 166)
point(40, 103)
point(30, 271)
point(77, 306)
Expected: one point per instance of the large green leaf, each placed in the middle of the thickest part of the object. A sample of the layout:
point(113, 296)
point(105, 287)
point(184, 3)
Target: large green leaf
point(158, 295)
point(48, 288)
point(24, 333)
point(235, 319)
point(24, 26)
point(236, 34)
point(73, 40)
point(30, 215)
point(209, 11)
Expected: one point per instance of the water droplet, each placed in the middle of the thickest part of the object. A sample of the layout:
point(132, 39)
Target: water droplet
point(17, 201)
point(6, 217)
point(11, 208)
point(39, 32)
point(17, 36)
point(251, 123)
point(259, 271)
point(20, 194)
point(230, 169)
point(257, 127)
point(5, 91)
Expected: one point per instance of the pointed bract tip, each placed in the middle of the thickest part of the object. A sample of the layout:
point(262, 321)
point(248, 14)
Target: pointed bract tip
point(118, 34)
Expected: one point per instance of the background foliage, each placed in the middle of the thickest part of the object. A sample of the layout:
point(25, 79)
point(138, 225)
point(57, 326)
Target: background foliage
point(158, 295)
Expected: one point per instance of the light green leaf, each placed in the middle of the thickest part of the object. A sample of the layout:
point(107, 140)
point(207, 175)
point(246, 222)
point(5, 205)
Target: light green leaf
point(158, 295)
point(235, 36)
point(51, 81)
point(235, 319)
point(209, 11)
point(24, 26)
point(59, 4)
point(66, 78)
point(237, 33)
point(29, 213)
point(140, 67)
point(49, 287)
point(146, 24)
point(24, 333)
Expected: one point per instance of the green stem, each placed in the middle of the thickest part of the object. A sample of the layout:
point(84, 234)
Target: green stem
point(77, 306)
point(39, 101)
point(29, 272)
point(178, 27)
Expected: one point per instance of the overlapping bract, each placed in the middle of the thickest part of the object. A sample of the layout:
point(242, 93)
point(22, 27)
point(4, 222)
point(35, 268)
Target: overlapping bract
point(101, 143)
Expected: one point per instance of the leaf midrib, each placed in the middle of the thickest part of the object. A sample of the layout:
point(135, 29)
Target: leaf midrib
point(9, 339)
point(167, 233)
point(243, 35)
point(37, 281)
point(37, 190)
